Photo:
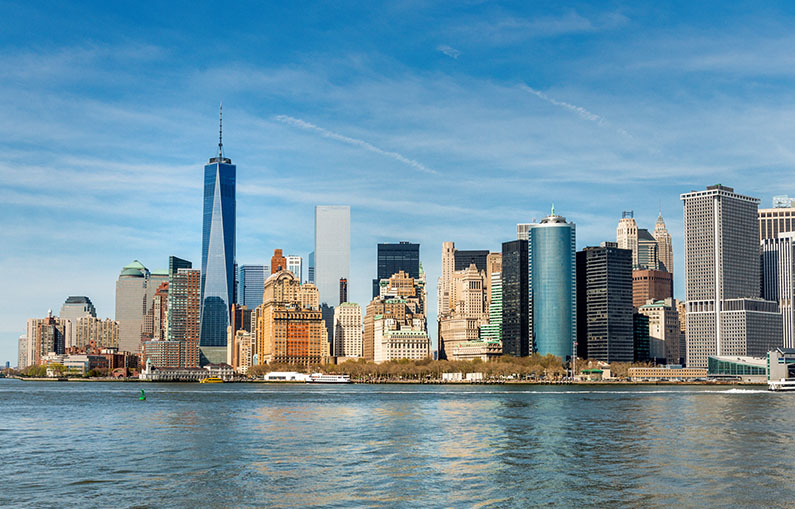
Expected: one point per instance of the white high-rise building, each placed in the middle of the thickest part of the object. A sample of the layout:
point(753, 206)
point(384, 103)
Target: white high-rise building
point(332, 250)
point(778, 280)
point(22, 352)
point(295, 264)
point(627, 235)
point(665, 251)
point(523, 230)
point(724, 312)
point(348, 330)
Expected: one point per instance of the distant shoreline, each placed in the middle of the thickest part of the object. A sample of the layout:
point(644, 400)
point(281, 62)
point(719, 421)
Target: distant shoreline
point(397, 382)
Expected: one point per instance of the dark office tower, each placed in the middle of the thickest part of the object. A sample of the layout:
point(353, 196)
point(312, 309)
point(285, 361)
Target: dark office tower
point(640, 338)
point(515, 302)
point(463, 259)
point(174, 264)
point(218, 249)
point(343, 290)
point(392, 258)
point(604, 283)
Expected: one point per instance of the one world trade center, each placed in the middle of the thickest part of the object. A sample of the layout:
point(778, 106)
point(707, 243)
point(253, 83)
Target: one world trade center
point(218, 253)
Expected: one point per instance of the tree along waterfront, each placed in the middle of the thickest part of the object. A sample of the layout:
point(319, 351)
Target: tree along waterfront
point(533, 367)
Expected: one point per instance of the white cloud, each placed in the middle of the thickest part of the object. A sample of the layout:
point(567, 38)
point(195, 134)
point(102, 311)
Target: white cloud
point(449, 51)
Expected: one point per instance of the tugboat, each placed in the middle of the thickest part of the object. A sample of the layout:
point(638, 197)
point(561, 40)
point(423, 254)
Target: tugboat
point(784, 384)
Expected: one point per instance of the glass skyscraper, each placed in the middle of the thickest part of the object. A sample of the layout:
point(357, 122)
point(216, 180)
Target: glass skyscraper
point(251, 285)
point(218, 249)
point(514, 294)
point(392, 258)
point(552, 284)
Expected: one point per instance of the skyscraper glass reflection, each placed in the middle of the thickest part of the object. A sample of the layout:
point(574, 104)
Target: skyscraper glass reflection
point(218, 249)
point(552, 286)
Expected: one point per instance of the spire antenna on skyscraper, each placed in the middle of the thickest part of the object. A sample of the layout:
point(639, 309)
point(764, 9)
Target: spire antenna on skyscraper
point(221, 131)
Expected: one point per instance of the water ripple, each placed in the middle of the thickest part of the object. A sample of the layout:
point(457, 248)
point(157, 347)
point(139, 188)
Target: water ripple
point(250, 445)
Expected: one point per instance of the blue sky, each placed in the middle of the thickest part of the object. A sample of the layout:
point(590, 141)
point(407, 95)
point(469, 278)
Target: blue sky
point(433, 121)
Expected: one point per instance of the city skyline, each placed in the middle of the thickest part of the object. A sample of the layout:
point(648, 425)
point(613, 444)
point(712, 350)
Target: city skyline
point(111, 172)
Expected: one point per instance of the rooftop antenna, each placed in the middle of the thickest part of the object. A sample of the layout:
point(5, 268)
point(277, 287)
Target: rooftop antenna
point(553, 209)
point(221, 131)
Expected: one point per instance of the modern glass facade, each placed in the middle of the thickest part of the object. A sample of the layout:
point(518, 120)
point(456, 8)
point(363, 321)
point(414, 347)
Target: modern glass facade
point(493, 330)
point(515, 307)
point(218, 250)
point(736, 366)
point(251, 285)
point(392, 258)
point(464, 258)
point(552, 285)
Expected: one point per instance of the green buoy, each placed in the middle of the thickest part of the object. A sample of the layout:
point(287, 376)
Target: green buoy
point(143, 396)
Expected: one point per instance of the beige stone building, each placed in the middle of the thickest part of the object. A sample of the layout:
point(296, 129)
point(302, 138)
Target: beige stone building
point(287, 332)
point(469, 309)
point(665, 250)
point(627, 235)
point(393, 340)
point(240, 350)
point(666, 340)
point(401, 299)
point(471, 350)
point(493, 266)
point(348, 330)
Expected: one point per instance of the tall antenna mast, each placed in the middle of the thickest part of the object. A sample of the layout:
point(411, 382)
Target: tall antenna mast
point(221, 131)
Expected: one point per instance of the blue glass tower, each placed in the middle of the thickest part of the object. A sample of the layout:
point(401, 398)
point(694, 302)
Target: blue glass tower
point(553, 277)
point(218, 249)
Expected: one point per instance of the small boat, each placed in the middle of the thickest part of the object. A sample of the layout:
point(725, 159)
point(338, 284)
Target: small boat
point(784, 384)
point(211, 380)
point(320, 378)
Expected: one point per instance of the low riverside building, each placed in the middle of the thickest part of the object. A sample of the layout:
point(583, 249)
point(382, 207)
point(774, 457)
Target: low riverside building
point(667, 374)
point(781, 363)
point(733, 367)
point(77, 365)
point(183, 374)
point(223, 371)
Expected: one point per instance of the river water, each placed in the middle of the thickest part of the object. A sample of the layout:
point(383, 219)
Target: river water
point(231, 445)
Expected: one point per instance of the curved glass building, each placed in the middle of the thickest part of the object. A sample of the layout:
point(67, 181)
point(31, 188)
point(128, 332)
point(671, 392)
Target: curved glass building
point(218, 249)
point(552, 267)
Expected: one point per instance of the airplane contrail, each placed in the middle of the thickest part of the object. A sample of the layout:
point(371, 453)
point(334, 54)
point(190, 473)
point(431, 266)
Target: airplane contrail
point(302, 124)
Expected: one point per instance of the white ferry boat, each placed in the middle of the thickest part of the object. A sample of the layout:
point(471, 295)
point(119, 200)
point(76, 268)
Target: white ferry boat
point(320, 378)
point(783, 384)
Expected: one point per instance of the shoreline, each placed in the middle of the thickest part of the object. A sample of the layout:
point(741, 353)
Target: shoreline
point(399, 382)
